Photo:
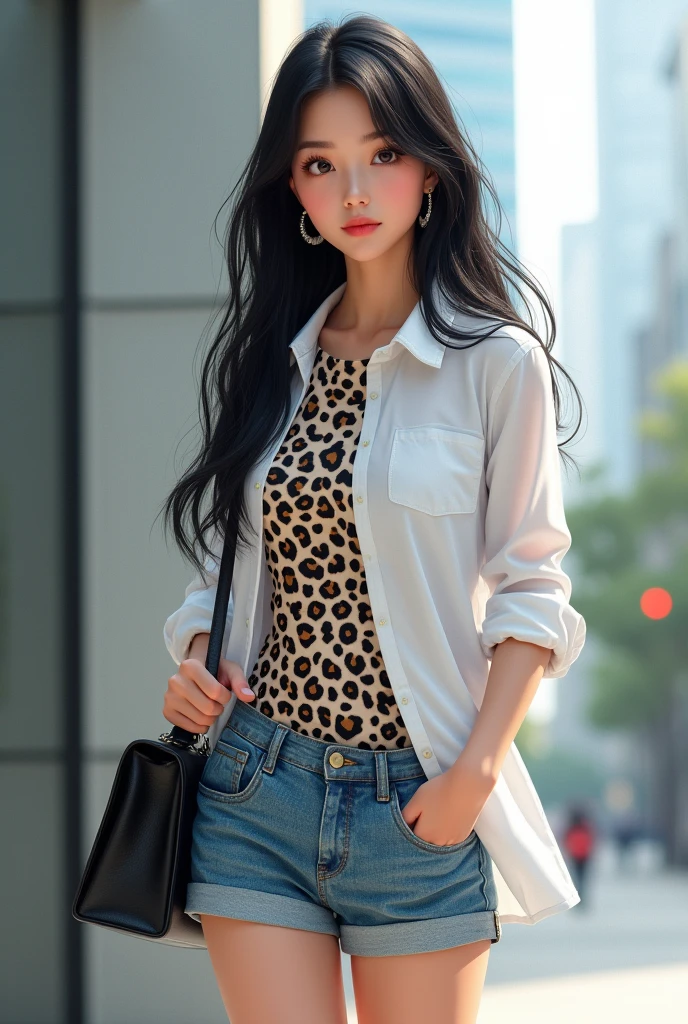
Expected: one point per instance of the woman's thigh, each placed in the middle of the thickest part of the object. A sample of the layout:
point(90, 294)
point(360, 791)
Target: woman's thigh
point(271, 973)
point(444, 986)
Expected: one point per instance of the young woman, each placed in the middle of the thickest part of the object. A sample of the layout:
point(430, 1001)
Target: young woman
point(380, 428)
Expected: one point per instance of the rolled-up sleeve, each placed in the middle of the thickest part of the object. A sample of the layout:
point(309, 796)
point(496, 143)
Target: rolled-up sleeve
point(196, 613)
point(526, 535)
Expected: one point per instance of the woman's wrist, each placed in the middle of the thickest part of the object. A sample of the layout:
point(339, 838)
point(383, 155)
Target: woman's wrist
point(199, 644)
point(480, 772)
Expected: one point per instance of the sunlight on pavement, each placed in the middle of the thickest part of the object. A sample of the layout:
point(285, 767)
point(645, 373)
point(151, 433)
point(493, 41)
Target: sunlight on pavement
point(634, 996)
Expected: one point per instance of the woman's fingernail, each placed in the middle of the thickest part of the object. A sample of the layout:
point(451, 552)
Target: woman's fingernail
point(247, 690)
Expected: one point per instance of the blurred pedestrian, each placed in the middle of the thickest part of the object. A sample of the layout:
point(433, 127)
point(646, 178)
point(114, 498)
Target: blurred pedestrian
point(579, 842)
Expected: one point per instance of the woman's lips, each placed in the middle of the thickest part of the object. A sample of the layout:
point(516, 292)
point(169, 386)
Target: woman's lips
point(360, 229)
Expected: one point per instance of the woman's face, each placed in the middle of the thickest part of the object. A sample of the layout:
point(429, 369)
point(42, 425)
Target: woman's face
point(339, 174)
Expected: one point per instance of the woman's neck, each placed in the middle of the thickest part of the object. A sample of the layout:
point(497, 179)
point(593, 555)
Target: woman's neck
point(378, 298)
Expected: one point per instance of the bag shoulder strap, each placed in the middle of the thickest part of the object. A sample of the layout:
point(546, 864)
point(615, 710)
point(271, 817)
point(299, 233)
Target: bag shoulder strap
point(217, 629)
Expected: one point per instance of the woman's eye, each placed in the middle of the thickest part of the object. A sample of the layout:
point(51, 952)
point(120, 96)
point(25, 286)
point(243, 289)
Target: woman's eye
point(316, 161)
point(395, 153)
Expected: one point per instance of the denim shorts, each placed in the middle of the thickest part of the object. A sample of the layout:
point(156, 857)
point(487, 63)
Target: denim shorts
point(293, 831)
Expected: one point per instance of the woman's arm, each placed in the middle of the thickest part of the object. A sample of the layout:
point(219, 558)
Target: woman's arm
point(515, 674)
point(196, 613)
point(530, 629)
point(526, 534)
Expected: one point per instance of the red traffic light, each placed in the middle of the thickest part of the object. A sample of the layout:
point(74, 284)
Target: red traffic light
point(656, 603)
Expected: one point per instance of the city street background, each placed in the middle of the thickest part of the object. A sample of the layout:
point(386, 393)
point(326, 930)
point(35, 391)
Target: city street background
point(125, 128)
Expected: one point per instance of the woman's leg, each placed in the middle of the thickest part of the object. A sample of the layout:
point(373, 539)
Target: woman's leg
point(270, 973)
point(443, 987)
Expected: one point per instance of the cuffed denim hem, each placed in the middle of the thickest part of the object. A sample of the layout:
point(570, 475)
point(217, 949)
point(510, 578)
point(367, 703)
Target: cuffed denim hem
point(394, 939)
point(419, 936)
point(254, 905)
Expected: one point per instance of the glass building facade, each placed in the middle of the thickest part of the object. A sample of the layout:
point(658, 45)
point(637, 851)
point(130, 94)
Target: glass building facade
point(124, 126)
point(40, 969)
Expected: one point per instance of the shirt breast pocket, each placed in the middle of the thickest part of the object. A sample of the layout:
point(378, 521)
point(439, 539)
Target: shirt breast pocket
point(435, 470)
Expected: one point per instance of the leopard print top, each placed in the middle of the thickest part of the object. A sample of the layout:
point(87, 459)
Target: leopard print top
point(320, 670)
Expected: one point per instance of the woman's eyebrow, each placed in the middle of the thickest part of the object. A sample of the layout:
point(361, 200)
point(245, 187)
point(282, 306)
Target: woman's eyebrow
point(319, 144)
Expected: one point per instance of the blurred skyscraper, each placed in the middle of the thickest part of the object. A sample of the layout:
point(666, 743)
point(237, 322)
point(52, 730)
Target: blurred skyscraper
point(626, 242)
point(677, 73)
point(665, 335)
point(623, 312)
point(470, 43)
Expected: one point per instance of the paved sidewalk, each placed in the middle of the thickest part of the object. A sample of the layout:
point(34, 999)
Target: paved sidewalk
point(622, 956)
point(634, 996)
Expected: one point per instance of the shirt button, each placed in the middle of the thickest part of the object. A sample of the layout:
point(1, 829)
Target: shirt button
point(257, 484)
point(359, 497)
point(365, 443)
point(373, 394)
point(247, 621)
point(404, 700)
point(383, 622)
point(427, 753)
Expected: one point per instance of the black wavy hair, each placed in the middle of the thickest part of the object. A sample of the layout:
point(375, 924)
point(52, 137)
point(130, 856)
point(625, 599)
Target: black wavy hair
point(276, 281)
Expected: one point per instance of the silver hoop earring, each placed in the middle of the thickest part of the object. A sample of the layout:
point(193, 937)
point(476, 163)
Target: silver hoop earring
point(424, 220)
point(311, 239)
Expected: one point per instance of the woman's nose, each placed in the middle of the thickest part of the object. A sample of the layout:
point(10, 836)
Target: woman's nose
point(357, 191)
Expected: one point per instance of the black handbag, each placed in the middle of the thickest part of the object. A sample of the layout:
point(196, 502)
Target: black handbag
point(136, 875)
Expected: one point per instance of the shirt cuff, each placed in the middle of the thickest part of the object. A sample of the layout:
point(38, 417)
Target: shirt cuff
point(194, 616)
point(537, 619)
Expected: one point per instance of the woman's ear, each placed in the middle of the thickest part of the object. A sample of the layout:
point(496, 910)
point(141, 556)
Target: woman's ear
point(292, 186)
point(431, 179)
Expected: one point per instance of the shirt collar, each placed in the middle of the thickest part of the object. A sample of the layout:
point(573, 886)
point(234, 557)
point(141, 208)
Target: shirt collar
point(413, 334)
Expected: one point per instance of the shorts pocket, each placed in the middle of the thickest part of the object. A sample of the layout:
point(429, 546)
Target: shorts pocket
point(436, 470)
point(234, 771)
point(400, 794)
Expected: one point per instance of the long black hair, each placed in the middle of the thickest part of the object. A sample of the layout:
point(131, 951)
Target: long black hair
point(276, 281)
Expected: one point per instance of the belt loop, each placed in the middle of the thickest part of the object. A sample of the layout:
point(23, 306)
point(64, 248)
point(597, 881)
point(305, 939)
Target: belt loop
point(273, 750)
point(382, 776)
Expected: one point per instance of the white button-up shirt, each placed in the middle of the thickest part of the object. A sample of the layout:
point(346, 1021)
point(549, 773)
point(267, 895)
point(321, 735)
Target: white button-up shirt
point(459, 514)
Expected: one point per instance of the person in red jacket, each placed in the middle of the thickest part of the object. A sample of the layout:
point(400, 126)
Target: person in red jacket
point(579, 843)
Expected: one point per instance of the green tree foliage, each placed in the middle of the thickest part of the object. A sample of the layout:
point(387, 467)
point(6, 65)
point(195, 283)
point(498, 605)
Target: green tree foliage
point(624, 545)
point(627, 544)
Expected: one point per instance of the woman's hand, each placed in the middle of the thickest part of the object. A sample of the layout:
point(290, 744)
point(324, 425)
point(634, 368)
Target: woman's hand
point(444, 809)
point(194, 697)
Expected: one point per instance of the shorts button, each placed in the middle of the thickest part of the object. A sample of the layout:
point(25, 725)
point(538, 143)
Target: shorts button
point(336, 759)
